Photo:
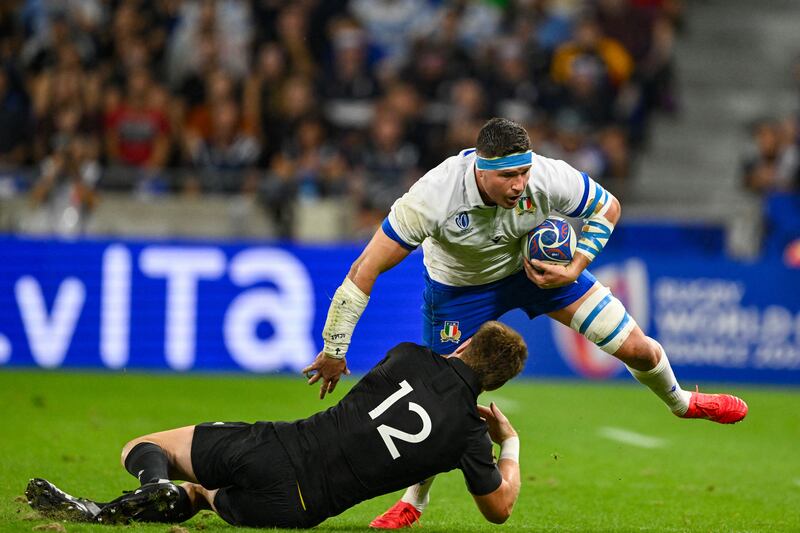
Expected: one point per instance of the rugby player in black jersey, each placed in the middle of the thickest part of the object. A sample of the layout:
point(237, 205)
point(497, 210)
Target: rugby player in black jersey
point(414, 415)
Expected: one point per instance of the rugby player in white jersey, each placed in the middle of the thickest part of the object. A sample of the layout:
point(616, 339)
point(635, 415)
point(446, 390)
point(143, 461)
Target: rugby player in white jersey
point(469, 214)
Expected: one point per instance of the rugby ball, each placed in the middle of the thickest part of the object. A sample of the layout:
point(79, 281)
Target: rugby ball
point(553, 241)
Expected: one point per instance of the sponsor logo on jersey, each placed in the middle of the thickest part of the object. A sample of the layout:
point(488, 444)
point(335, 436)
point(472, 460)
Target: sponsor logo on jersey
point(450, 332)
point(628, 282)
point(525, 205)
point(462, 220)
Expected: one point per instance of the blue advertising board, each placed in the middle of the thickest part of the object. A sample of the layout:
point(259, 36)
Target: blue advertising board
point(187, 305)
point(256, 307)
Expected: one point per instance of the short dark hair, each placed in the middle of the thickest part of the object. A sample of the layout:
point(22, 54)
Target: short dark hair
point(496, 354)
point(500, 137)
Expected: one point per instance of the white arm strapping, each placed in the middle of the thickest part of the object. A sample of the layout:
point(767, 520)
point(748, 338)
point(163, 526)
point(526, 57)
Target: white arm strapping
point(509, 449)
point(595, 232)
point(347, 305)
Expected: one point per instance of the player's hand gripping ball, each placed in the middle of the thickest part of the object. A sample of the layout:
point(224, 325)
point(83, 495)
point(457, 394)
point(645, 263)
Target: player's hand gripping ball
point(552, 241)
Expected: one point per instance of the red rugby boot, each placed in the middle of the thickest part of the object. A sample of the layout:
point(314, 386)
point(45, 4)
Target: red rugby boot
point(398, 516)
point(722, 408)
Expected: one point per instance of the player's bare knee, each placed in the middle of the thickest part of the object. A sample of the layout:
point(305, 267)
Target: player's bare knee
point(639, 351)
point(652, 350)
point(130, 445)
point(127, 450)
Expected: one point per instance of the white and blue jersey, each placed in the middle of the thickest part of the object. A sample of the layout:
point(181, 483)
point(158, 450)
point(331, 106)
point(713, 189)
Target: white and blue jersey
point(472, 251)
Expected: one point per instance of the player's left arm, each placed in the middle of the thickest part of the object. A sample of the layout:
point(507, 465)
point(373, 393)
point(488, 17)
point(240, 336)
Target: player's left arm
point(601, 211)
point(348, 303)
point(496, 506)
point(412, 219)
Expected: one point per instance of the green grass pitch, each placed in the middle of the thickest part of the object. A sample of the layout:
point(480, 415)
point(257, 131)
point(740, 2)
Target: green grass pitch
point(580, 470)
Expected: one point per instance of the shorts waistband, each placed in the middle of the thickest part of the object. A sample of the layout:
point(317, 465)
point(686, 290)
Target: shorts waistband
point(468, 288)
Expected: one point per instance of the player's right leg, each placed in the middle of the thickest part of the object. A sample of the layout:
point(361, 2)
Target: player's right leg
point(202, 498)
point(602, 319)
point(155, 460)
point(408, 509)
point(162, 455)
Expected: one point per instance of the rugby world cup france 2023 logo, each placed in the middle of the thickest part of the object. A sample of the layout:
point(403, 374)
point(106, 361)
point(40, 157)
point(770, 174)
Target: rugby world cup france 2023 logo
point(628, 282)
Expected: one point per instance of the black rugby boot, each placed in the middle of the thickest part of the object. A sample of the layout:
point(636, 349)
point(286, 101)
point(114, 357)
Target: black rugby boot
point(53, 502)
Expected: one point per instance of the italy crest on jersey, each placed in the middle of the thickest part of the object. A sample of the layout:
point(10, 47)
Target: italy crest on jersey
point(525, 205)
point(450, 332)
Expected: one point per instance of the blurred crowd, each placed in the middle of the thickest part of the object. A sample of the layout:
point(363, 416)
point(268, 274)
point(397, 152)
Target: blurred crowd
point(772, 163)
point(290, 102)
point(771, 170)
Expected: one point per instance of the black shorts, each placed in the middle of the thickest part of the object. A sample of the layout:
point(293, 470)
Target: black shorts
point(257, 483)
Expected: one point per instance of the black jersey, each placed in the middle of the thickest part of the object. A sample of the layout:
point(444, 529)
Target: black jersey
point(412, 416)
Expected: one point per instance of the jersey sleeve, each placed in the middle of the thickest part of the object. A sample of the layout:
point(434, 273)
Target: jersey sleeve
point(480, 471)
point(573, 193)
point(413, 216)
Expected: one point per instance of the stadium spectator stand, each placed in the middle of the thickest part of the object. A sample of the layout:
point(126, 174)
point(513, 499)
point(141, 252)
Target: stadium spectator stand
point(771, 170)
point(292, 113)
point(310, 103)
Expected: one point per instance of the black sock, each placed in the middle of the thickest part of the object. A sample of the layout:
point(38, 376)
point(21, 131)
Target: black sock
point(147, 462)
point(184, 509)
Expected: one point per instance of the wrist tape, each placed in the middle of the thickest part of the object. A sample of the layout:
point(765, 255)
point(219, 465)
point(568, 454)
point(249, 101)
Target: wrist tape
point(347, 305)
point(509, 449)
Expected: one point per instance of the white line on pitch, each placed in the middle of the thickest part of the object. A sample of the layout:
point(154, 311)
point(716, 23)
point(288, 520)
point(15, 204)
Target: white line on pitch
point(630, 437)
point(505, 404)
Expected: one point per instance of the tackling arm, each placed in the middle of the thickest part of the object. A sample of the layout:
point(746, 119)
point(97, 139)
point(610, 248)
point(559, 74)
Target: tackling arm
point(347, 304)
point(496, 506)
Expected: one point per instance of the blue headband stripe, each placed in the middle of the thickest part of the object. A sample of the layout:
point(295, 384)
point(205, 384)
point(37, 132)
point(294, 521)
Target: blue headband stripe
point(507, 161)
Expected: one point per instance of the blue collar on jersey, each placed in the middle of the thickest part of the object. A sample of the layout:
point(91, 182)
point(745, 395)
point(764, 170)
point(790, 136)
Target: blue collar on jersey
point(506, 161)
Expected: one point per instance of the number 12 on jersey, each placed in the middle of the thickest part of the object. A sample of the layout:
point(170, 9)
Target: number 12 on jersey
point(387, 433)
